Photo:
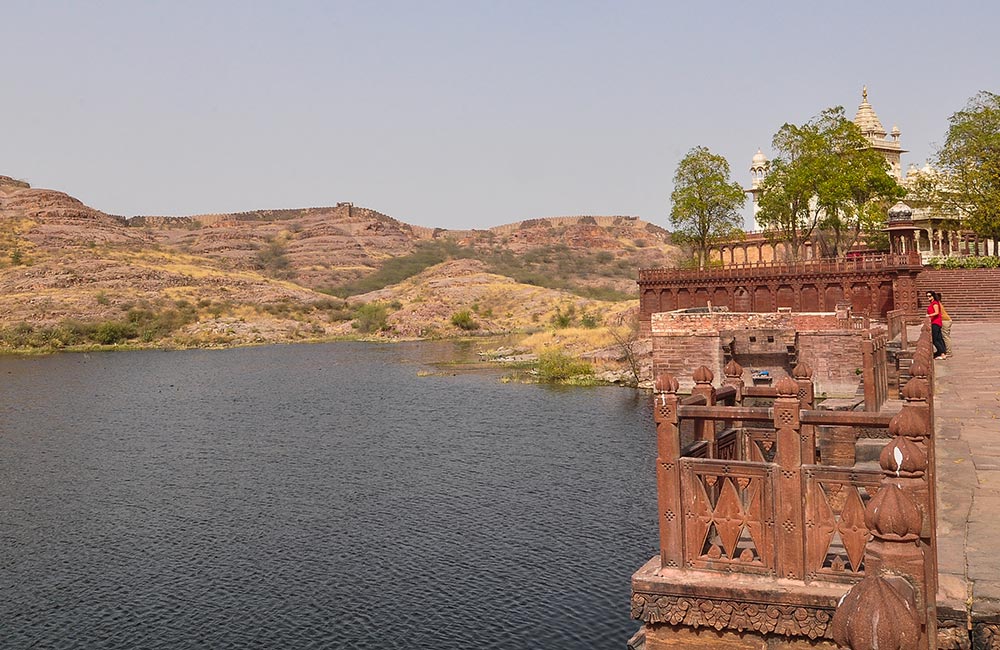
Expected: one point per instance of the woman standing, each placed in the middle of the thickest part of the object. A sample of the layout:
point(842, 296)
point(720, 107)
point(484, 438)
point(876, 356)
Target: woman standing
point(945, 325)
point(934, 313)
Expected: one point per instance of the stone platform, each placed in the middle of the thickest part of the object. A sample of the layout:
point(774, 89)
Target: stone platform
point(967, 414)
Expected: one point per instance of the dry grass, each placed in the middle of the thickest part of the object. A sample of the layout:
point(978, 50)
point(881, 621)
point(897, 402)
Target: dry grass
point(574, 340)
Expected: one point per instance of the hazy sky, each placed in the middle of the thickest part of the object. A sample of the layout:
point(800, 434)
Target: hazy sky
point(454, 114)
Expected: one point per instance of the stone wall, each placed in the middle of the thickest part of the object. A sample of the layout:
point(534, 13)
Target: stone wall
point(684, 341)
point(871, 286)
point(968, 294)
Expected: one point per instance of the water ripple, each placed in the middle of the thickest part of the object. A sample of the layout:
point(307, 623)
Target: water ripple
point(315, 497)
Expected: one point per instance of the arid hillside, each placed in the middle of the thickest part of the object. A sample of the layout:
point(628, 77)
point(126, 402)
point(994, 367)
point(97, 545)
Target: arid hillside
point(72, 275)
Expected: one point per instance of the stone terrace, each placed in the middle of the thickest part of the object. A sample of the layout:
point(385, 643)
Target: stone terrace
point(967, 406)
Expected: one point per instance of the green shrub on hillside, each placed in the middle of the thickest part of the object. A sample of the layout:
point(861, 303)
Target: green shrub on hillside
point(557, 366)
point(555, 266)
point(463, 320)
point(371, 317)
point(563, 319)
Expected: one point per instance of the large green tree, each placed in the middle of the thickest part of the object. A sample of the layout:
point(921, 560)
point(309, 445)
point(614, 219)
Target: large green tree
point(826, 180)
point(705, 204)
point(970, 161)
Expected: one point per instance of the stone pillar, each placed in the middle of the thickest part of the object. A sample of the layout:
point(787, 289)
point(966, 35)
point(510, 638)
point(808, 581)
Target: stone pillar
point(668, 475)
point(803, 374)
point(788, 520)
point(705, 429)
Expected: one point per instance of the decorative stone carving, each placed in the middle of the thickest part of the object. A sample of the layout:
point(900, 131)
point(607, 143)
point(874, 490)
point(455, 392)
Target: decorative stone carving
point(986, 636)
point(702, 375)
point(666, 383)
point(892, 515)
point(788, 620)
point(877, 613)
point(916, 389)
point(787, 387)
point(902, 457)
point(733, 370)
point(802, 371)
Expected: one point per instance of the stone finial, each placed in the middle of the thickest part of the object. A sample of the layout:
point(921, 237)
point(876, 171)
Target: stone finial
point(919, 367)
point(878, 612)
point(802, 371)
point(909, 422)
point(787, 387)
point(892, 515)
point(916, 389)
point(902, 457)
point(666, 383)
point(733, 370)
point(702, 375)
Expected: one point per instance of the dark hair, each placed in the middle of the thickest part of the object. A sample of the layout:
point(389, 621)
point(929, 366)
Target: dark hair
point(937, 295)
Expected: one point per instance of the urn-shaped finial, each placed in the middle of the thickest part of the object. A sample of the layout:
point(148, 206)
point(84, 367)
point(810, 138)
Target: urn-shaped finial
point(902, 457)
point(665, 383)
point(702, 375)
point(920, 366)
point(787, 387)
point(802, 371)
point(892, 515)
point(909, 422)
point(916, 389)
point(733, 370)
point(877, 613)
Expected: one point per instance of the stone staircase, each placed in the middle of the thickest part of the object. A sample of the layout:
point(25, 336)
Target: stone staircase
point(967, 294)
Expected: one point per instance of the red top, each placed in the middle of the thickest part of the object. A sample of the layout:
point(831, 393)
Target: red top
point(934, 311)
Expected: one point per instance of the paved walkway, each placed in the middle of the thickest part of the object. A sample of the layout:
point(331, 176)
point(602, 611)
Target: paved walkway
point(967, 410)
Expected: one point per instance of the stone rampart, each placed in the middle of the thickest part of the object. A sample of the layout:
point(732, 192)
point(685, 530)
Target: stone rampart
point(870, 285)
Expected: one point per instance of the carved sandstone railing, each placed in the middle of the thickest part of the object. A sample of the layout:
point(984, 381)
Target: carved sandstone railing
point(894, 606)
point(896, 324)
point(766, 505)
point(803, 267)
point(875, 371)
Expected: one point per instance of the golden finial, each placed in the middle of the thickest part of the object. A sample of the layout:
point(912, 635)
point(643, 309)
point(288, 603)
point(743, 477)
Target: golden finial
point(864, 93)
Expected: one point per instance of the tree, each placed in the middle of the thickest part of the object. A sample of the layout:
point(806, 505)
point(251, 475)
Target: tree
point(970, 162)
point(705, 204)
point(827, 180)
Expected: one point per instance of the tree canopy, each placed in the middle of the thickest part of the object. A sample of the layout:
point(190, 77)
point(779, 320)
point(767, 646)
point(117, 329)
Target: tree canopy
point(825, 180)
point(705, 203)
point(970, 160)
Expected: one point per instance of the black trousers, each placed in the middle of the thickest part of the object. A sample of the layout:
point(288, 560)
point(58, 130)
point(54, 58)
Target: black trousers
point(938, 338)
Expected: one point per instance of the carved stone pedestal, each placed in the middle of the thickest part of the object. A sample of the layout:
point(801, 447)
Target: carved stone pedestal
point(698, 609)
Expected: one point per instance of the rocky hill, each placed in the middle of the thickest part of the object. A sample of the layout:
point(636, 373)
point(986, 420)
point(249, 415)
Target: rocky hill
point(73, 275)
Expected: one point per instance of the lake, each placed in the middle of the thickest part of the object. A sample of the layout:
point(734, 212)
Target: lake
point(316, 496)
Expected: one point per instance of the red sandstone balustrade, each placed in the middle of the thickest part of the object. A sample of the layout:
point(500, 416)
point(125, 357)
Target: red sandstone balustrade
point(715, 532)
point(901, 561)
point(766, 508)
point(865, 263)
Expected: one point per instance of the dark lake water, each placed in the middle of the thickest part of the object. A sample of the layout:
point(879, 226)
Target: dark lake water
point(316, 496)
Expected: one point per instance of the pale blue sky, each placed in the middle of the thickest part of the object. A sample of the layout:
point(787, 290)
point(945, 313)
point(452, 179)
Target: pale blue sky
point(454, 114)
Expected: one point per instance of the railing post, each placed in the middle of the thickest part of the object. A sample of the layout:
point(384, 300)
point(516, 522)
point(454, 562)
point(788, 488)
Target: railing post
point(903, 512)
point(919, 429)
point(868, 373)
point(668, 474)
point(734, 378)
point(705, 429)
point(788, 489)
point(803, 374)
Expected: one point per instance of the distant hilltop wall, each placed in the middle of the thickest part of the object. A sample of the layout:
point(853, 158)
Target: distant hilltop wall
point(509, 228)
point(7, 180)
point(340, 211)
